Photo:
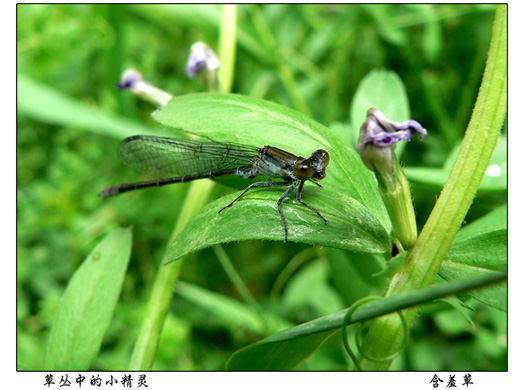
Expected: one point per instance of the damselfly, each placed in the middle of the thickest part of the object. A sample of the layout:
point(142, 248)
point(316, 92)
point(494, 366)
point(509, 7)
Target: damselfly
point(172, 160)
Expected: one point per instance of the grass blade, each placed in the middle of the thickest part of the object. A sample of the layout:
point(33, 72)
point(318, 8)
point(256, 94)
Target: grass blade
point(87, 306)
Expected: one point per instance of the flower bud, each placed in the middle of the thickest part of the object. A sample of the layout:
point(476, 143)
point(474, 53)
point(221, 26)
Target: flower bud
point(133, 80)
point(376, 145)
point(378, 137)
point(203, 61)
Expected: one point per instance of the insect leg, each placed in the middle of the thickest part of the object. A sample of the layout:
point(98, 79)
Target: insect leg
point(256, 184)
point(280, 201)
point(299, 198)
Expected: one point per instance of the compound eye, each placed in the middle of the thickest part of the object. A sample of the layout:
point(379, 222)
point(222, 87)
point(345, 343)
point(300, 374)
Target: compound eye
point(321, 156)
point(303, 171)
point(326, 158)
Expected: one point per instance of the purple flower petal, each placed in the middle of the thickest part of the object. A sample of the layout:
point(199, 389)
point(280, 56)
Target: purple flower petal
point(378, 134)
point(201, 58)
point(382, 132)
point(129, 79)
point(194, 66)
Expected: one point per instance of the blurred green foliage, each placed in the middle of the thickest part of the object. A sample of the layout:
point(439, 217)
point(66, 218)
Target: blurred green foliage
point(308, 57)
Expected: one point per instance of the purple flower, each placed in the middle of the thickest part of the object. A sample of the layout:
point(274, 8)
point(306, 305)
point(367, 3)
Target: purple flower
point(382, 132)
point(201, 58)
point(379, 135)
point(131, 79)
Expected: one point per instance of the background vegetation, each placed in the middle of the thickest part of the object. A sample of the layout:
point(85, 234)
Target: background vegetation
point(308, 57)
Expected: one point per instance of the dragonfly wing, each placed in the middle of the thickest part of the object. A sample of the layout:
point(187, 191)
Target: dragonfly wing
point(163, 157)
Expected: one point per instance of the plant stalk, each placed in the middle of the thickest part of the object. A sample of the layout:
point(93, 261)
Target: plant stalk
point(426, 256)
point(164, 285)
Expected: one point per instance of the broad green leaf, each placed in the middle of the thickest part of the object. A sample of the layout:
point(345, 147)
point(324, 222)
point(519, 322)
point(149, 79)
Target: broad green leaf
point(279, 355)
point(495, 220)
point(87, 305)
point(245, 120)
point(43, 103)
point(481, 248)
point(257, 122)
point(385, 91)
point(495, 179)
point(344, 131)
point(232, 312)
point(350, 225)
point(288, 348)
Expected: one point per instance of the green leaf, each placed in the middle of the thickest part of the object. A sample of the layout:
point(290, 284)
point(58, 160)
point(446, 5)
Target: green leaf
point(481, 248)
point(383, 90)
point(395, 265)
point(231, 312)
point(257, 122)
point(461, 308)
point(87, 305)
point(350, 225)
point(495, 179)
point(40, 102)
point(273, 355)
point(344, 131)
point(288, 348)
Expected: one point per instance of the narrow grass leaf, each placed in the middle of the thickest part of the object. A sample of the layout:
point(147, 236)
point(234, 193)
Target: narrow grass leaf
point(288, 348)
point(40, 102)
point(231, 312)
point(87, 305)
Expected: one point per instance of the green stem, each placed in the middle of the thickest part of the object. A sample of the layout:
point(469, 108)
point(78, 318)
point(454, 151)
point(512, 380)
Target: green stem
point(426, 256)
point(164, 285)
point(235, 278)
point(227, 47)
point(395, 192)
point(384, 306)
point(429, 294)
